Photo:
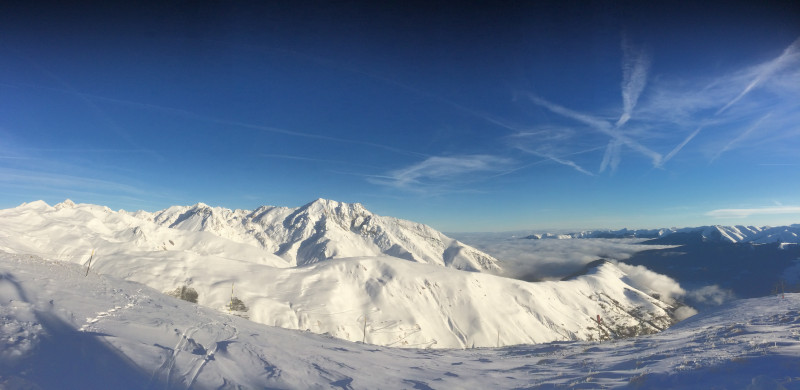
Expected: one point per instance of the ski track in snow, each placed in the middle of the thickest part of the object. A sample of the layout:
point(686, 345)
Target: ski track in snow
point(173, 344)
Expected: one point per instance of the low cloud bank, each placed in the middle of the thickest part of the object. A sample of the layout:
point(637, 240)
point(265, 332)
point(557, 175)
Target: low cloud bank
point(710, 295)
point(667, 289)
point(552, 259)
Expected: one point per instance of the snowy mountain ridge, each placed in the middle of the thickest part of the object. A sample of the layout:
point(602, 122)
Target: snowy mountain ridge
point(718, 233)
point(369, 296)
point(325, 229)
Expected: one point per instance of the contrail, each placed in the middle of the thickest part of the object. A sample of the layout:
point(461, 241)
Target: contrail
point(747, 132)
point(98, 112)
point(375, 76)
point(555, 159)
point(635, 66)
point(314, 160)
point(789, 54)
point(598, 124)
point(540, 162)
point(569, 163)
point(678, 148)
point(612, 155)
point(191, 115)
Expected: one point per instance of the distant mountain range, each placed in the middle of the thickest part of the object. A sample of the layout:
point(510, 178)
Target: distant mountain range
point(715, 233)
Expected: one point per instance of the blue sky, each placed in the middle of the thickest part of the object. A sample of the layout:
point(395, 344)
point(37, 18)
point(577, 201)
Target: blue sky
point(519, 116)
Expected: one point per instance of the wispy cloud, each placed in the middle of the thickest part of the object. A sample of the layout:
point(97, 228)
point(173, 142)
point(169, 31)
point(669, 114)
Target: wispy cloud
point(763, 99)
point(568, 163)
point(314, 160)
point(744, 213)
point(635, 69)
point(186, 114)
point(635, 66)
point(611, 158)
point(720, 89)
point(101, 115)
point(64, 183)
point(394, 82)
point(680, 146)
point(544, 143)
point(741, 136)
point(598, 124)
point(764, 71)
point(438, 172)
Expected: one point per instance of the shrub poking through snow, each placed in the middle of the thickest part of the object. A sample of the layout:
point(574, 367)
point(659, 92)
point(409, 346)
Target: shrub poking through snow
point(237, 305)
point(184, 292)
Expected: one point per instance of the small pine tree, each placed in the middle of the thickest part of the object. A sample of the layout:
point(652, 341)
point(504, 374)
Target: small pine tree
point(237, 305)
point(185, 293)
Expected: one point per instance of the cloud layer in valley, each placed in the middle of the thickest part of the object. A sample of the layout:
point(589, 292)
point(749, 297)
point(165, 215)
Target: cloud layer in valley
point(555, 259)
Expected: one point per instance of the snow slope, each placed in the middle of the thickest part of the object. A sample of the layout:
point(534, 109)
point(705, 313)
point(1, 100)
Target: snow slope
point(377, 298)
point(64, 330)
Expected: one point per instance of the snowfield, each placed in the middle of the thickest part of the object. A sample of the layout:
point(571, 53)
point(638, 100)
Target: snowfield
point(293, 268)
point(61, 329)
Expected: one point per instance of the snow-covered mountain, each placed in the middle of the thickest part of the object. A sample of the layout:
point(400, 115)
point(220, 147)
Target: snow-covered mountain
point(746, 234)
point(716, 233)
point(64, 330)
point(272, 259)
point(325, 229)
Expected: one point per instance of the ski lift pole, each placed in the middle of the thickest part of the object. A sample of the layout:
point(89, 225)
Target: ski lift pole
point(89, 264)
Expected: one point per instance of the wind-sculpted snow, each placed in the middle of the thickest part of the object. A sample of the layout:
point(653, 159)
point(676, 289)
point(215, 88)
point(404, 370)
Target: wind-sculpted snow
point(64, 330)
point(380, 299)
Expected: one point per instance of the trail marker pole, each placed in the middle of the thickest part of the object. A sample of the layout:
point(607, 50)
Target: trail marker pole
point(364, 340)
point(230, 306)
point(89, 264)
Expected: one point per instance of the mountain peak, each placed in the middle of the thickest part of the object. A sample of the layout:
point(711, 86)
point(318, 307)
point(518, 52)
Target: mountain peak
point(328, 204)
point(327, 229)
point(66, 204)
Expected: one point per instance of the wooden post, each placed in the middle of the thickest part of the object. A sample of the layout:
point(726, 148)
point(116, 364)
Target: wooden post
point(230, 305)
point(89, 264)
point(364, 340)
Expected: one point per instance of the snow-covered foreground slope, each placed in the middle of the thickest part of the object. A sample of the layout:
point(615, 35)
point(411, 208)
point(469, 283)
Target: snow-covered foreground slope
point(378, 299)
point(63, 330)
